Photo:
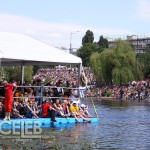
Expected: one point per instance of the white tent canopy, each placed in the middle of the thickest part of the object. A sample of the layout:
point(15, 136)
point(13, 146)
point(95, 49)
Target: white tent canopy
point(17, 49)
point(20, 49)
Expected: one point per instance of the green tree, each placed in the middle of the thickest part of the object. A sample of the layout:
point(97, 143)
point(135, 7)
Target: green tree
point(35, 69)
point(144, 59)
point(85, 52)
point(15, 73)
point(88, 38)
point(103, 42)
point(89, 47)
point(95, 63)
point(117, 65)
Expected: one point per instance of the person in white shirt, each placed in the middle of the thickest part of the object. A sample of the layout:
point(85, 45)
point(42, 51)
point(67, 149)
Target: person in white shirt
point(83, 84)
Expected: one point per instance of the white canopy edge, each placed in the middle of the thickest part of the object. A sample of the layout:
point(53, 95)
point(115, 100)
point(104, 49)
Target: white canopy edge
point(18, 49)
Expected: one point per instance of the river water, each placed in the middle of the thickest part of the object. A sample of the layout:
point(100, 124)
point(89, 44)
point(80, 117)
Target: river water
point(122, 125)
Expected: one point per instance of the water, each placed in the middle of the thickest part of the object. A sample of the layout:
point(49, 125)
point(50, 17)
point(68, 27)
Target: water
point(122, 125)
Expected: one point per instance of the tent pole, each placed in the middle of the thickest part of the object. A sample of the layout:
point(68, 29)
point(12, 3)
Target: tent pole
point(22, 70)
point(79, 74)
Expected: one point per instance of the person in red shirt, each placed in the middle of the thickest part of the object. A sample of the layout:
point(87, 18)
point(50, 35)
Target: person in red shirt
point(46, 107)
point(9, 90)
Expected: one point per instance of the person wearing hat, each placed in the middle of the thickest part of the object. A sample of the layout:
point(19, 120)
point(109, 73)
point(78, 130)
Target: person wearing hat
point(84, 111)
point(9, 90)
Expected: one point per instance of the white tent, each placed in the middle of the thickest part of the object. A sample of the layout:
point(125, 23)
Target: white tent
point(20, 49)
point(16, 49)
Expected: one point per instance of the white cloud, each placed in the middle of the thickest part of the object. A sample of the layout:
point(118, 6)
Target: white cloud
point(143, 9)
point(52, 33)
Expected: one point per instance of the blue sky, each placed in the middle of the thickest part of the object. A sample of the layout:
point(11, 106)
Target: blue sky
point(52, 21)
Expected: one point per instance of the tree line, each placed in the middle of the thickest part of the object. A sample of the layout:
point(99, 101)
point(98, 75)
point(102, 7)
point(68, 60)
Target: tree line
point(118, 64)
point(111, 65)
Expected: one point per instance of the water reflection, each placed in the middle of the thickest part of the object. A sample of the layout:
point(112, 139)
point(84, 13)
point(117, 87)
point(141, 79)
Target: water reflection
point(114, 103)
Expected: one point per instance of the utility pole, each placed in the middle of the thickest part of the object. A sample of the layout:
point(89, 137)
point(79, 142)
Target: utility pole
point(71, 49)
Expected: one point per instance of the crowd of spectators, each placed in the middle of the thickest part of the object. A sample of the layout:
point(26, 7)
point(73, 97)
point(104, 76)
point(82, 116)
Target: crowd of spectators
point(38, 101)
point(134, 90)
point(55, 89)
point(33, 100)
point(68, 75)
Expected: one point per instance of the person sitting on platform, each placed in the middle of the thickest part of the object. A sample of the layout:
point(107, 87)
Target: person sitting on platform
point(59, 110)
point(84, 111)
point(66, 108)
point(23, 108)
point(46, 108)
point(31, 110)
point(74, 108)
point(15, 110)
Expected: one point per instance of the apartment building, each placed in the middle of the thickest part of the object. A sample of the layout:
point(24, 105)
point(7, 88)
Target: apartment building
point(139, 44)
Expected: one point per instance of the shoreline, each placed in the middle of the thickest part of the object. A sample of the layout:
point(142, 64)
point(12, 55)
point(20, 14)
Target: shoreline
point(114, 98)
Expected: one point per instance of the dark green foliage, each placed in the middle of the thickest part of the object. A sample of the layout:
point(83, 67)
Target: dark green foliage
point(88, 47)
point(144, 59)
point(85, 52)
point(103, 42)
point(14, 73)
point(117, 65)
point(35, 69)
point(88, 38)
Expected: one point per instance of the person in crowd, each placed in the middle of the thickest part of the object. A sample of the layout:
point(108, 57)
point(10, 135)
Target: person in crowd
point(66, 108)
point(1, 91)
point(25, 97)
point(2, 114)
point(31, 112)
point(83, 84)
point(18, 95)
point(23, 108)
point(46, 108)
point(58, 107)
point(26, 86)
point(74, 109)
point(38, 92)
point(15, 110)
point(74, 94)
point(84, 111)
point(121, 93)
point(31, 96)
point(9, 90)
point(37, 110)
point(59, 88)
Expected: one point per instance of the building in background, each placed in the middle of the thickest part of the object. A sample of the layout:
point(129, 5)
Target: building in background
point(140, 44)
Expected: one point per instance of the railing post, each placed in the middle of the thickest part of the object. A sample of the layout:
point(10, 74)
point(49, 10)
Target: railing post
point(22, 70)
